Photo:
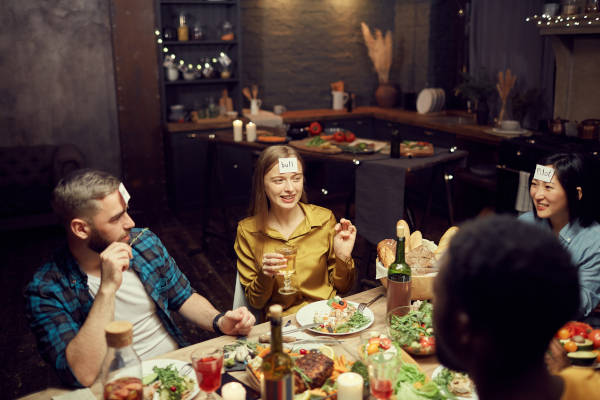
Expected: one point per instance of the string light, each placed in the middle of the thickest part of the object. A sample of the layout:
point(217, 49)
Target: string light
point(572, 22)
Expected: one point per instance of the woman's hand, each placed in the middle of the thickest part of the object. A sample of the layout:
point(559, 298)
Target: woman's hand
point(343, 241)
point(272, 263)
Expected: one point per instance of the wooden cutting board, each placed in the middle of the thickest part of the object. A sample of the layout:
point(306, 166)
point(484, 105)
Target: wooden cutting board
point(302, 145)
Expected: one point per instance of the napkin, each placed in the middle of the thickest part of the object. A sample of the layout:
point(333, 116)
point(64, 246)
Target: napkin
point(81, 394)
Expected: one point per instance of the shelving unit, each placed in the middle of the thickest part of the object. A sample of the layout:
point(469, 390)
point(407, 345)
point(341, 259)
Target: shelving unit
point(194, 94)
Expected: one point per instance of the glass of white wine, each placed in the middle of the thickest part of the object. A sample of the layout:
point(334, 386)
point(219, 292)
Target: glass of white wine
point(289, 252)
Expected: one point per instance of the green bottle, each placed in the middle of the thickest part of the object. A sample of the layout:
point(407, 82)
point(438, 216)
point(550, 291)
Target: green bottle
point(278, 382)
point(399, 276)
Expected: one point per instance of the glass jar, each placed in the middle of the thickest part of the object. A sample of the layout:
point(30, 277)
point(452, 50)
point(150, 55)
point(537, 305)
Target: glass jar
point(121, 373)
point(198, 31)
point(226, 31)
point(183, 31)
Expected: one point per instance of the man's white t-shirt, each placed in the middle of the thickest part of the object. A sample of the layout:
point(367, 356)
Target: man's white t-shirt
point(132, 303)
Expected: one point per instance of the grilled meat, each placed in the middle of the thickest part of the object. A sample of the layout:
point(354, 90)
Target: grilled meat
point(316, 366)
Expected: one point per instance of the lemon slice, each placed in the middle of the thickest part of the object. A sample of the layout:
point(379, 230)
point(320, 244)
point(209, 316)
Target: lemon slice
point(328, 351)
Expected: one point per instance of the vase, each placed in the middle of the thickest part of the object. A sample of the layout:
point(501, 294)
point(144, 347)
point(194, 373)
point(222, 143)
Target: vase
point(386, 95)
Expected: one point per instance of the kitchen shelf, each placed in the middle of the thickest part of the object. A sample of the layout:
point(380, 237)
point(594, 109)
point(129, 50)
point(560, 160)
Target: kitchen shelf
point(201, 81)
point(200, 43)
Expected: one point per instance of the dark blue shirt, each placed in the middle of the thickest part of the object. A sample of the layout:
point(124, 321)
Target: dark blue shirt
point(58, 299)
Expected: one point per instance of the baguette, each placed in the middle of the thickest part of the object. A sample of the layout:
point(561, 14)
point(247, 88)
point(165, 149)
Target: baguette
point(404, 225)
point(416, 240)
point(445, 241)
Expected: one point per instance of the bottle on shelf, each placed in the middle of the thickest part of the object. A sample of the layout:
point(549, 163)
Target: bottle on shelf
point(183, 31)
point(395, 144)
point(122, 369)
point(399, 276)
point(278, 382)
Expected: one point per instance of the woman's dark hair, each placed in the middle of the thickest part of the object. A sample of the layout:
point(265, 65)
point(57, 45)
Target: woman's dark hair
point(574, 170)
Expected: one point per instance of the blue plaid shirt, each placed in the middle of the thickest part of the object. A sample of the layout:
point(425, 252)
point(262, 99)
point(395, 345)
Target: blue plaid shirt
point(58, 299)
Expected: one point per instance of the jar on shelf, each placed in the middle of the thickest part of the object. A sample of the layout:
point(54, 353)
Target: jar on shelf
point(122, 369)
point(198, 31)
point(169, 33)
point(183, 31)
point(226, 31)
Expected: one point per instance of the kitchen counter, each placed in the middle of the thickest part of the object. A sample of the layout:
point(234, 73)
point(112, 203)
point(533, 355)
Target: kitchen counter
point(458, 123)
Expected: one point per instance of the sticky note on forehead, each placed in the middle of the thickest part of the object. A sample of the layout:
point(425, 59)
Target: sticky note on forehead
point(124, 193)
point(288, 165)
point(543, 173)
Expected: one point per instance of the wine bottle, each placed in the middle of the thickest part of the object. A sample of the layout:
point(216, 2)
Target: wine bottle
point(278, 382)
point(395, 144)
point(399, 276)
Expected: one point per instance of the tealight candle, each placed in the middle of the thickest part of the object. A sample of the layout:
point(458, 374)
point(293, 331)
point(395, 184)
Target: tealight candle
point(350, 386)
point(251, 131)
point(237, 130)
point(233, 391)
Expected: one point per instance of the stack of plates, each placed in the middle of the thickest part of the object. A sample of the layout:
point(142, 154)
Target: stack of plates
point(431, 100)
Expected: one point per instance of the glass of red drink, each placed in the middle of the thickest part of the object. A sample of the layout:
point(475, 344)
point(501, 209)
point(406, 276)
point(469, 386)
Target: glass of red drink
point(382, 370)
point(208, 364)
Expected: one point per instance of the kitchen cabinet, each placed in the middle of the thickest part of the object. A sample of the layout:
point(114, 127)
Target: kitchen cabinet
point(187, 169)
point(208, 17)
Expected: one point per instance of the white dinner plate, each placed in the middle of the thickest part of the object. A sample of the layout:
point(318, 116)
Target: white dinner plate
point(306, 315)
point(425, 101)
point(510, 132)
point(439, 369)
point(147, 366)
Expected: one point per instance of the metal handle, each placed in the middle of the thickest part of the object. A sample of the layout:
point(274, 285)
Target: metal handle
point(375, 299)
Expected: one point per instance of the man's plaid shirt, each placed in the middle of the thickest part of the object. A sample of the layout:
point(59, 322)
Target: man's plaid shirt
point(58, 299)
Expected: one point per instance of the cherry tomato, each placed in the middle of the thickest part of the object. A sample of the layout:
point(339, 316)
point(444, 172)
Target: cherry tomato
point(173, 388)
point(385, 343)
point(349, 136)
point(339, 136)
point(303, 351)
point(427, 341)
point(372, 348)
point(315, 128)
point(594, 336)
point(564, 333)
point(570, 346)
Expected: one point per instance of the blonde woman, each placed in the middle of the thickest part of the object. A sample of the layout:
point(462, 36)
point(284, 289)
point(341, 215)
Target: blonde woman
point(280, 216)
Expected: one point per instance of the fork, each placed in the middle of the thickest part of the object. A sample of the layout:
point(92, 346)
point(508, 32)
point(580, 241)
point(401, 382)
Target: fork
point(186, 369)
point(362, 306)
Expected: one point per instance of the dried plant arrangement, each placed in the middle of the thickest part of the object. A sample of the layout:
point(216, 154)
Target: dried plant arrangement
point(506, 81)
point(380, 51)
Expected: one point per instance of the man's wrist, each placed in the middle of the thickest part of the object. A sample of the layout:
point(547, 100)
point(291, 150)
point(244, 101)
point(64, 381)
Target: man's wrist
point(215, 323)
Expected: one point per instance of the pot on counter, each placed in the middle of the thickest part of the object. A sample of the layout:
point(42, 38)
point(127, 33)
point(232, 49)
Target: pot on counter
point(589, 129)
point(557, 126)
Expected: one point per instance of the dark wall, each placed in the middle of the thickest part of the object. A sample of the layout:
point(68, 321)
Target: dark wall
point(295, 49)
point(57, 82)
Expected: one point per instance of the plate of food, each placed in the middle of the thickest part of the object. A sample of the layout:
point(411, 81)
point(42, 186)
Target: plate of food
point(358, 147)
point(161, 376)
point(456, 383)
point(413, 148)
point(336, 316)
point(316, 368)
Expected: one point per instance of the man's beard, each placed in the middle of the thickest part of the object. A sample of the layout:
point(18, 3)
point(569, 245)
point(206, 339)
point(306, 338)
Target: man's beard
point(97, 243)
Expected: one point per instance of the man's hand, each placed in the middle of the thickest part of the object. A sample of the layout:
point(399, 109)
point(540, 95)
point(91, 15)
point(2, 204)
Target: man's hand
point(343, 241)
point(237, 322)
point(114, 261)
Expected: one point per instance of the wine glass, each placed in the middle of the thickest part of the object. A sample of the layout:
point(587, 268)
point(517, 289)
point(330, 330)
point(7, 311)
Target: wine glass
point(382, 371)
point(289, 252)
point(208, 364)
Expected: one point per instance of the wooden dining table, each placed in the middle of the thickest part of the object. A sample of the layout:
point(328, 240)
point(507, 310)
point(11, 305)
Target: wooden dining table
point(427, 364)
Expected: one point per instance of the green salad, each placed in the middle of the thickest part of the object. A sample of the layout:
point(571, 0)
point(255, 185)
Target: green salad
point(414, 331)
point(169, 383)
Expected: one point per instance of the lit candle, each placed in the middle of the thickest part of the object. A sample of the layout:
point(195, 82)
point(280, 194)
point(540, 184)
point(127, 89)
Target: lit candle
point(251, 131)
point(237, 130)
point(233, 391)
point(350, 386)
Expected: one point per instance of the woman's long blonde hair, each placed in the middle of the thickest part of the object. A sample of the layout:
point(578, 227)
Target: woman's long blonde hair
point(259, 203)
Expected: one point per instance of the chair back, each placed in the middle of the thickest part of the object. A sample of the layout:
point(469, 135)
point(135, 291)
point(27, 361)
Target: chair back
point(239, 299)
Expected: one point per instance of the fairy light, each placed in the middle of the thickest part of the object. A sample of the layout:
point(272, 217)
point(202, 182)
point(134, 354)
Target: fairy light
point(574, 22)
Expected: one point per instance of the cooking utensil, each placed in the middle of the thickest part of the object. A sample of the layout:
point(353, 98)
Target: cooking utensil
point(246, 93)
point(255, 91)
point(362, 306)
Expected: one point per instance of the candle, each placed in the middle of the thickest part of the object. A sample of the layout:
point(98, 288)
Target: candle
point(233, 391)
point(237, 130)
point(350, 386)
point(251, 131)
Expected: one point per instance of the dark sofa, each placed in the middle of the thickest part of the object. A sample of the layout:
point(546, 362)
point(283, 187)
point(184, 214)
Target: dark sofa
point(27, 176)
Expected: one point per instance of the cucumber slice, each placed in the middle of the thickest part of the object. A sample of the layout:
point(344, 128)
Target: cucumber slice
point(148, 379)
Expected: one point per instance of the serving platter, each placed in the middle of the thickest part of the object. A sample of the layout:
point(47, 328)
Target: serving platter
point(471, 396)
point(148, 365)
point(306, 315)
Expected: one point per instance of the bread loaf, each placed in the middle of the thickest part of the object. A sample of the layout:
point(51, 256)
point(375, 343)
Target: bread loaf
point(445, 241)
point(404, 225)
point(386, 251)
point(416, 240)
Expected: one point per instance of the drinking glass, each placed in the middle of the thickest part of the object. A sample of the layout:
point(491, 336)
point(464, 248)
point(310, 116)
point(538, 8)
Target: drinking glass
point(208, 364)
point(382, 371)
point(289, 252)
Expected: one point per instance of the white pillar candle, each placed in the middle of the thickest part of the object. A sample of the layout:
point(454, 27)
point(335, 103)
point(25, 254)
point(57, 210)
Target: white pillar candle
point(233, 391)
point(251, 131)
point(350, 386)
point(237, 130)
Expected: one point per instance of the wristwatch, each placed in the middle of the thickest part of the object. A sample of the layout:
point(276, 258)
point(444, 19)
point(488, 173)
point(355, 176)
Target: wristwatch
point(216, 323)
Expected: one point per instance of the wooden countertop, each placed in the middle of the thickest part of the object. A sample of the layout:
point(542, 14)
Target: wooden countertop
point(463, 129)
point(427, 364)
